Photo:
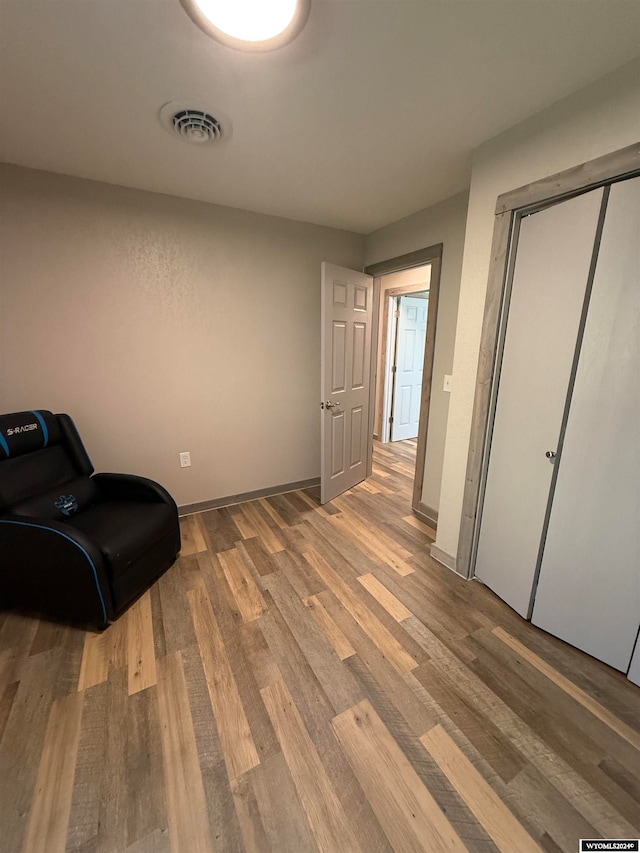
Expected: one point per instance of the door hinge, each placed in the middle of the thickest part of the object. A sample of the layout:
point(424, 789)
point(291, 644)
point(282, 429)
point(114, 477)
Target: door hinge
point(397, 315)
point(393, 368)
point(391, 420)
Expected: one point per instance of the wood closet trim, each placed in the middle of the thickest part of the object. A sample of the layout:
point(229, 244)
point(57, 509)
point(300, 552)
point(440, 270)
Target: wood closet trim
point(602, 170)
point(510, 208)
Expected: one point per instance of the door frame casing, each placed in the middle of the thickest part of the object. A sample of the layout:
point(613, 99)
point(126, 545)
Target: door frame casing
point(510, 208)
point(431, 255)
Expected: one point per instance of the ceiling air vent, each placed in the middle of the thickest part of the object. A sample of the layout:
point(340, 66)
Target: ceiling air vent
point(193, 124)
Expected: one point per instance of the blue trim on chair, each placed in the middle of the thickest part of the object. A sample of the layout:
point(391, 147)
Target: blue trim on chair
point(45, 431)
point(4, 445)
point(77, 544)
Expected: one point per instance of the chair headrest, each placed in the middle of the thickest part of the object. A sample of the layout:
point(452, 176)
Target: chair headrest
point(24, 432)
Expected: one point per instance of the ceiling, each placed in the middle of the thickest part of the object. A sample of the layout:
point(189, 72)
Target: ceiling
point(370, 115)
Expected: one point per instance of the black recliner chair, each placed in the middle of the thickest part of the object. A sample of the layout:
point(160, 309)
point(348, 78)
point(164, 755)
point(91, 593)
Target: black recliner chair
point(75, 546)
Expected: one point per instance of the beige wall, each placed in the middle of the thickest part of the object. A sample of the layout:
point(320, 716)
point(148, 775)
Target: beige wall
point(443, 223)
point(164, 325)
point(595, 121)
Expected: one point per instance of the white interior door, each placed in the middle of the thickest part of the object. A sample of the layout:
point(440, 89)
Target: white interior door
point(589, 588)
point(347, 313)
point(551, 271)
point(407, 387)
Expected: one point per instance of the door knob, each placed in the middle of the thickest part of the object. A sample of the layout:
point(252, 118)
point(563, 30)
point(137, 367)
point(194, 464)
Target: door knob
point(551, 455)
point(330, 405)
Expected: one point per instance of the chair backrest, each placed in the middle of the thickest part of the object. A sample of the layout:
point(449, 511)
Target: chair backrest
point(44, 469)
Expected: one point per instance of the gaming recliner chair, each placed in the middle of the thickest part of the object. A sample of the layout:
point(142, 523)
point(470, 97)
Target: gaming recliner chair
point(75, 546)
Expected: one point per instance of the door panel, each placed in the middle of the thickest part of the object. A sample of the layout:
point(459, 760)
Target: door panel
point(336, 426)
point(358, 440)
point(403, 408)
point(589, 588)
point(549, 284)
point(346, 370)
point(339, 346)
point(412, 328)
point(359, 356)
point(361, 297)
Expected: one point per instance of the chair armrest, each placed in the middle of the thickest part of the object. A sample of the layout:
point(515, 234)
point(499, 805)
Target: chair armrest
point(50, 568)
point(129, 487)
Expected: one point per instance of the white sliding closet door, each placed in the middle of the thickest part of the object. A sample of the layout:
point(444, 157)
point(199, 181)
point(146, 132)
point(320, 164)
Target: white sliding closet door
point(634, 669)
point(589, 588)
point(554, 252)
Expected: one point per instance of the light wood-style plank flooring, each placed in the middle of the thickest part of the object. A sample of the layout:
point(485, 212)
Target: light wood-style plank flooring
point(307, 678)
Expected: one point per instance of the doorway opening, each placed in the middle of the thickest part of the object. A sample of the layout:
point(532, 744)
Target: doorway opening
point(403, 330)
point(353, 320)
point(406, 295)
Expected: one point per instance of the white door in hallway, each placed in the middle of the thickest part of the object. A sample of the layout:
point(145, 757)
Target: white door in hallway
point(347, 311)
point(407, 389)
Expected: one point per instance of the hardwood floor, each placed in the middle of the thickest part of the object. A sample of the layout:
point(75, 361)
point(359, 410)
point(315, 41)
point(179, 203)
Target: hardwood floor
point(308, 678)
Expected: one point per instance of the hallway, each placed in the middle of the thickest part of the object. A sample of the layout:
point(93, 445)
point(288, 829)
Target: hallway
point(397, 456)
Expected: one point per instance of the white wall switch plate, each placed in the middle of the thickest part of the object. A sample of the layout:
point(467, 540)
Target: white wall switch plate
point(185, 459)
point(447, 382)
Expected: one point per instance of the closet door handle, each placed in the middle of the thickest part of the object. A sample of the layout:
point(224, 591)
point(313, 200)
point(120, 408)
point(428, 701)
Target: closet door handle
point(551, 455)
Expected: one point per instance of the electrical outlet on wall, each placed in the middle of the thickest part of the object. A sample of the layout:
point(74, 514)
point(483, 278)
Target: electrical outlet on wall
point(185, 459)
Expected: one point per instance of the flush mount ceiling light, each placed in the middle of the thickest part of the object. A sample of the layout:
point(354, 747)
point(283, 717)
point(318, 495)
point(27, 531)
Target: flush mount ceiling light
point(252, 25)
